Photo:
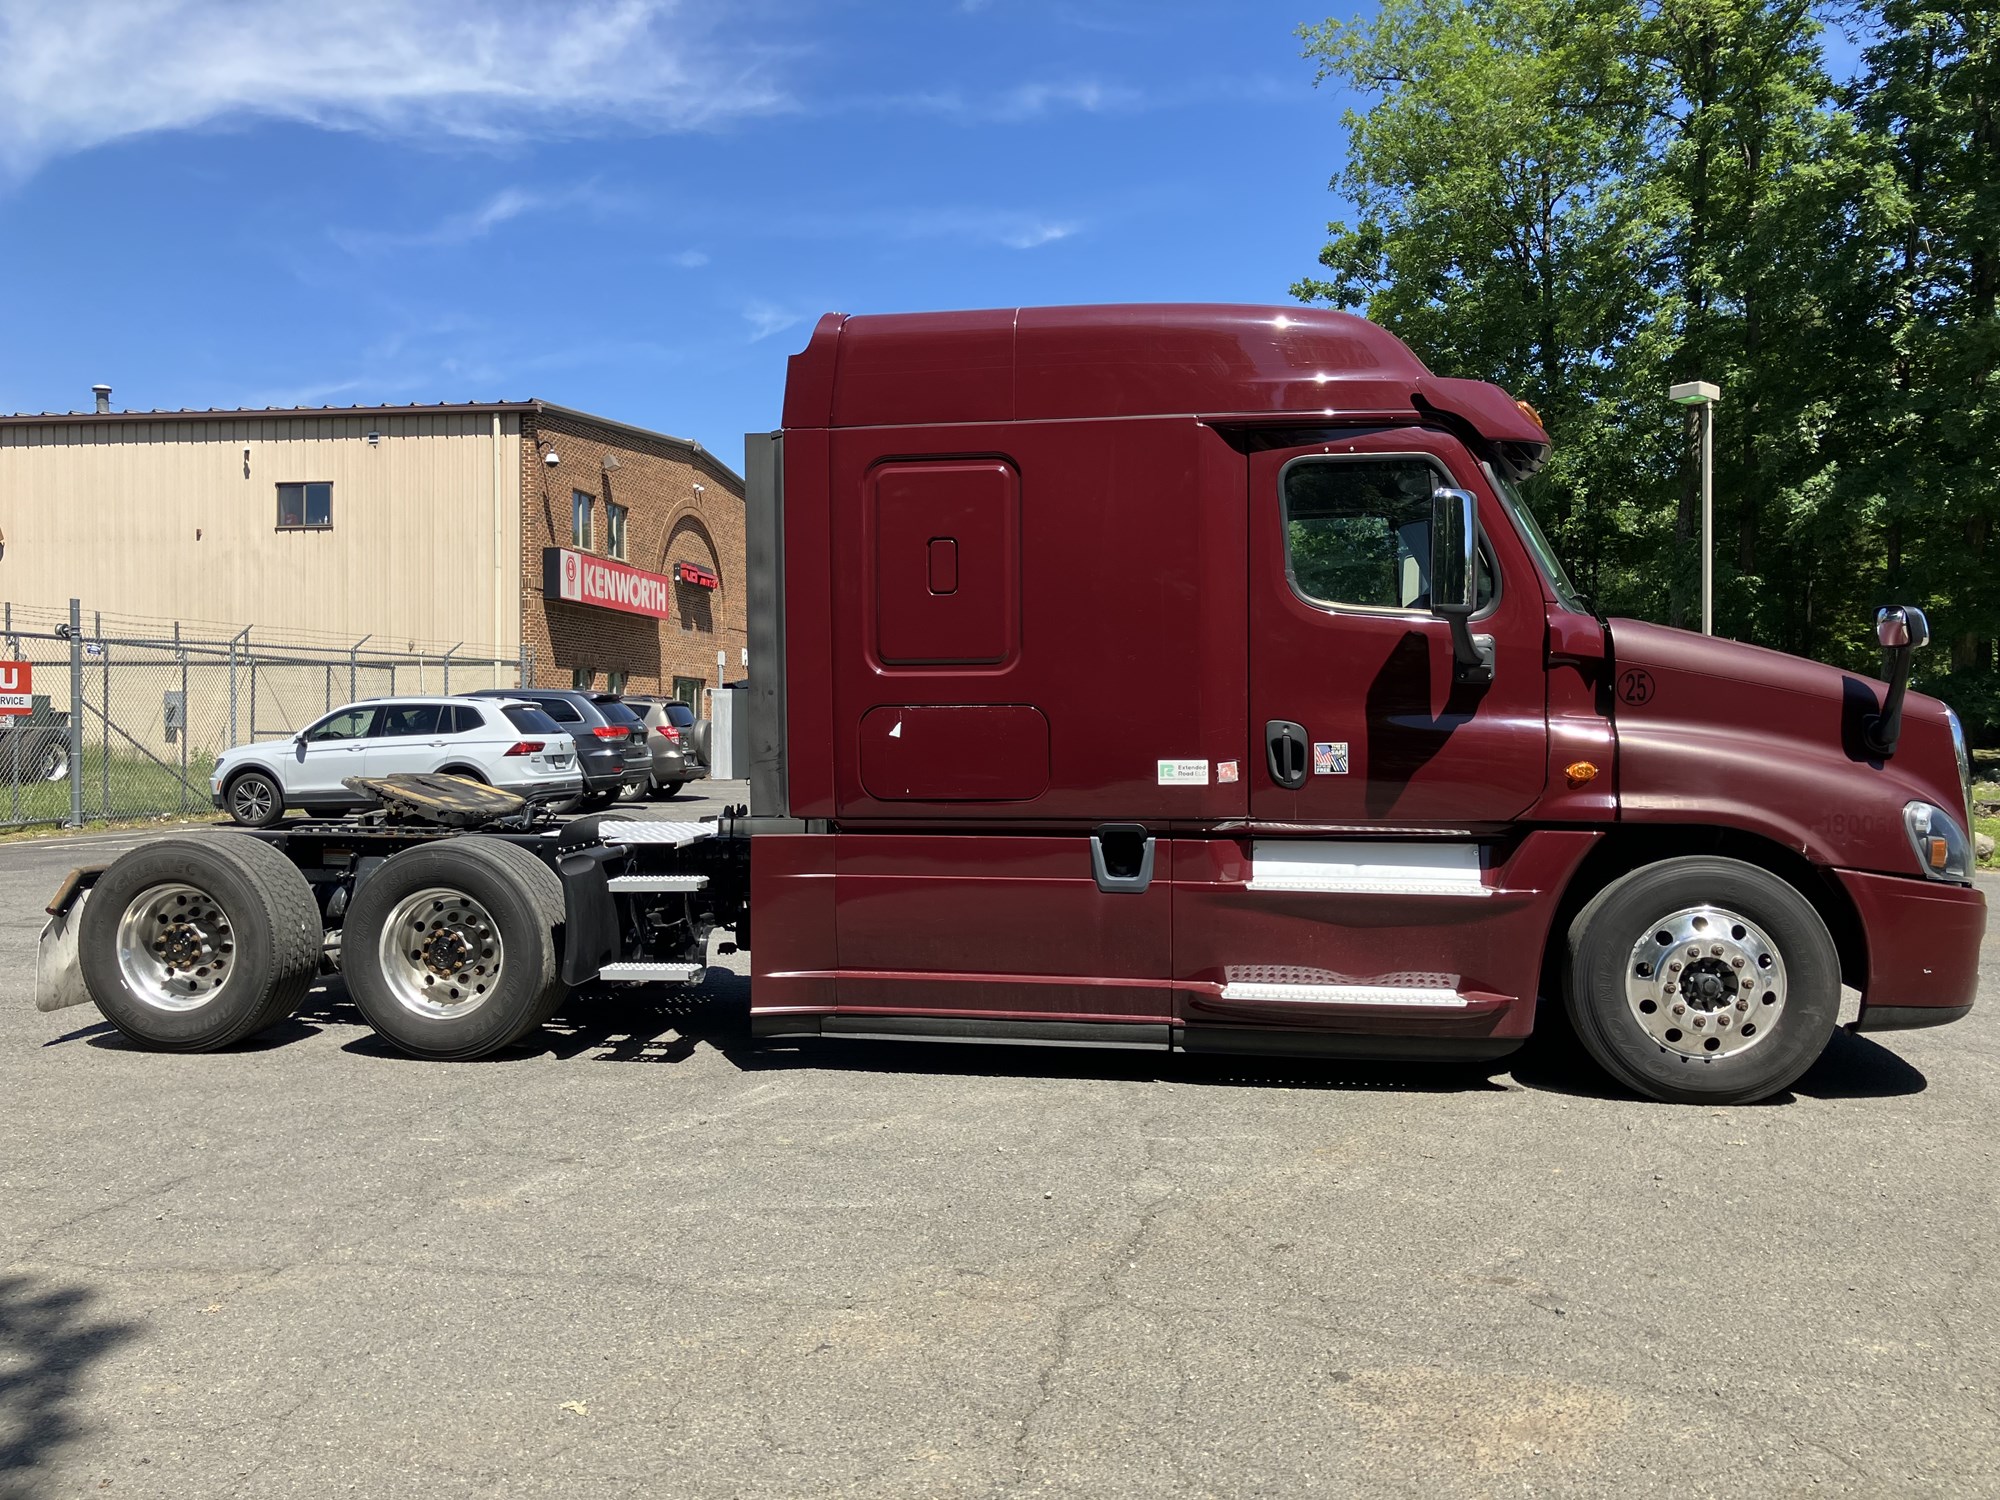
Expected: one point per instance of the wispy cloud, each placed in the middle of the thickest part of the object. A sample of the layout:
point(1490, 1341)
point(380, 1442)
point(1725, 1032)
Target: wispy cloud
point(1017, 105)
point(689, 260)
point(1013, 229)
point(766, 318)
point(477, 223)
point(78, 76)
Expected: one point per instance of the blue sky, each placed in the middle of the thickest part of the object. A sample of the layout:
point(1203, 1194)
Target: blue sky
point(636, 207)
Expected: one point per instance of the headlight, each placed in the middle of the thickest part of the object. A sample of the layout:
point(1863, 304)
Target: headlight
point(1941, 845)
point(1964, 754)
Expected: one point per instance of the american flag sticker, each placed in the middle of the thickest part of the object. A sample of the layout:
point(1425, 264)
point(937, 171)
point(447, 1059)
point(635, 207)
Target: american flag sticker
point(1330, 757)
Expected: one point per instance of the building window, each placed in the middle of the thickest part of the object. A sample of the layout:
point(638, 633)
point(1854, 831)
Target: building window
point(579, 508)
point(688, 690)
point(614, 682)
point(614, 530)
point(305, 507)
point(583, 679)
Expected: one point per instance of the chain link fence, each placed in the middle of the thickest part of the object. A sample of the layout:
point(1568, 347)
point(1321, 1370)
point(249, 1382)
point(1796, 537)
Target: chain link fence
point(126, 716)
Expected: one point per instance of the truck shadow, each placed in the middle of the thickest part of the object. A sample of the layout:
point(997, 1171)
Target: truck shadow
point(1853, 1066)
point(49, 1338)
point(630, 1024)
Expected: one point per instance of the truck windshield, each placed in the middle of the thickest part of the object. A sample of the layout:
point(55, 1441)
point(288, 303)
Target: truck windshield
point(1531, 533)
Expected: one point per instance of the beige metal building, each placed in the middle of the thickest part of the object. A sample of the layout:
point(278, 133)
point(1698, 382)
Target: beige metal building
point(426, 524)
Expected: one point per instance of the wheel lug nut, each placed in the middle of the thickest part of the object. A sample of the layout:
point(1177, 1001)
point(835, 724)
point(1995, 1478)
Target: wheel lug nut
point(1722, 1020)
point(1716, 951)
point(1674, 967)
point(1749, 984)
point(1736, 963)
point(1694, 950)
point(1680, 1010)
point(1699, 1023)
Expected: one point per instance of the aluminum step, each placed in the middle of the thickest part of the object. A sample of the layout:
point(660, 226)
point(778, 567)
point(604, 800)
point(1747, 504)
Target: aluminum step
point(653, 831)
point(1345, 994)
point(658, 973)
point(657, 882)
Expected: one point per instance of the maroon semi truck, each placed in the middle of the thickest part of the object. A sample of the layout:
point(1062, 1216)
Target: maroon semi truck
point(1182, 677)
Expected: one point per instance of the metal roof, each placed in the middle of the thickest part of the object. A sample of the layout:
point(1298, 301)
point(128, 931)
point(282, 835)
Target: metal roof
point(412, 409)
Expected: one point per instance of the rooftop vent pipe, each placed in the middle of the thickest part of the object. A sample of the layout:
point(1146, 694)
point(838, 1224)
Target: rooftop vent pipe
point(103, 395)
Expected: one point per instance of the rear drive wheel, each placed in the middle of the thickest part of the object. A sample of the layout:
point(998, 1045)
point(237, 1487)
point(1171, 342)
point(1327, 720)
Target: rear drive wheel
point(192, 943)
point(254, 799)
point(1702, 980)
point(449, 948)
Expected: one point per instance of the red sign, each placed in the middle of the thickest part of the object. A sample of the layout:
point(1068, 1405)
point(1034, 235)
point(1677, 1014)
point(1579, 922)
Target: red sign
point(583, 579)
point(696, 574)
point(17, 687)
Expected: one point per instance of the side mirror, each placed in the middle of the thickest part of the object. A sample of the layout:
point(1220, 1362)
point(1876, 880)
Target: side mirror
point(1454, 578)
point(1454, 552)
point(1901, 628)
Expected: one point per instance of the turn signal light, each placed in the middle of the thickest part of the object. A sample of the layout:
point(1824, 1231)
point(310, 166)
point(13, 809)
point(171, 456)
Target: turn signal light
point(609, 731)
point(528, 747)
point(1940, 854)
point(1579, 773)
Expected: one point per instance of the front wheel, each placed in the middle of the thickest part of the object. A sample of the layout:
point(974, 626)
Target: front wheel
point(254, 799)
point(1702, 980)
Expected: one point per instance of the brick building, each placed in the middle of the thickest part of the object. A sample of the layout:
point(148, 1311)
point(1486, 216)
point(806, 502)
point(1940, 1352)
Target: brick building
point(619, 565)
point(666, 508)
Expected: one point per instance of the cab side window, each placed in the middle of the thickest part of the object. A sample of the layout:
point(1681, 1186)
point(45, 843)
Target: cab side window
point(1358, 532)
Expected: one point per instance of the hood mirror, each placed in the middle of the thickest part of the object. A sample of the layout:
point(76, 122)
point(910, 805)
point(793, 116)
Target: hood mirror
point(1454, 578)
point(1901, 628)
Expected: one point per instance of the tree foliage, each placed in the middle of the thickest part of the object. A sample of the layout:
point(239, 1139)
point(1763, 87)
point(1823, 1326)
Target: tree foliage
point(1588, 200)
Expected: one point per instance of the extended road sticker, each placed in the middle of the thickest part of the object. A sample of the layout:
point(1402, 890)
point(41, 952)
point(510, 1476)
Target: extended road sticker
point(1330, 757)
point(1183, 773)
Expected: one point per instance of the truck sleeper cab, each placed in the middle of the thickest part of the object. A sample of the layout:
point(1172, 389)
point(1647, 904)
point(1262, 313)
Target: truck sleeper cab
point(1111, 683)
point(1178, 677)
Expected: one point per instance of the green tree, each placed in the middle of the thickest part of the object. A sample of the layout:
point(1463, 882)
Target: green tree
point(1586, 200)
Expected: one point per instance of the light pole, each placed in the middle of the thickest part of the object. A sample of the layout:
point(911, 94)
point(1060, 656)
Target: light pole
point(1701, 393)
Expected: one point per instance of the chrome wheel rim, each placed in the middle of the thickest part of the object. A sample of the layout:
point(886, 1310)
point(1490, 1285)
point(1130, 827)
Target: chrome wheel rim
point(441, 954)
point(250, 799)
point(176, 949)
point(1706, 982)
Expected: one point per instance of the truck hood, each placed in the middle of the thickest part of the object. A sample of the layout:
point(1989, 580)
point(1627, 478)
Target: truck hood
point(1713, 730)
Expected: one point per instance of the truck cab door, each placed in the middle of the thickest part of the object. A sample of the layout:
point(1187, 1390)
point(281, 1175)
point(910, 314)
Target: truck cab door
point(1359, 717)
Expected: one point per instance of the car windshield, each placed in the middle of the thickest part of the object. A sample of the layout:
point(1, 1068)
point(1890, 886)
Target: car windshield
point(531, 720)
point(1531, 534)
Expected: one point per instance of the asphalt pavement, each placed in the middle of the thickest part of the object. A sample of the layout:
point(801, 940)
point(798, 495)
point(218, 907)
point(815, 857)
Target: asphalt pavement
point(312, 1267)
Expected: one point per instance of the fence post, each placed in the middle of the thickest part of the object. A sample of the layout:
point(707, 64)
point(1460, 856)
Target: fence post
point(14, 651)
point(447, 669)
point(104, 762)
point(353, 665)
point(76, 713)
point(187, 719)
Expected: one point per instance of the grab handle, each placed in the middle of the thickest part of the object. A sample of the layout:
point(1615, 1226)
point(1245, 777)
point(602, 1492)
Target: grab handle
point(1121, 858)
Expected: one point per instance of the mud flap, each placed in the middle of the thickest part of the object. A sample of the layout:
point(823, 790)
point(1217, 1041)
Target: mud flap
point(58, 971)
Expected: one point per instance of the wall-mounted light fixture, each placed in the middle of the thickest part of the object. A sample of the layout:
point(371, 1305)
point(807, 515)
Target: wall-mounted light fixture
point(374, 438)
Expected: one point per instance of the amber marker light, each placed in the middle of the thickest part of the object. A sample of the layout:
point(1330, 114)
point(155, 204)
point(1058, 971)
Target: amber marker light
point(1579, 773)
point(1532, 415)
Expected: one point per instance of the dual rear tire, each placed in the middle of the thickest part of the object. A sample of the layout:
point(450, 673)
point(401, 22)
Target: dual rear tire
point(191, 944)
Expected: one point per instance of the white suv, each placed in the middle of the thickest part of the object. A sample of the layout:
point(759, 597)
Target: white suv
point(514, 746)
